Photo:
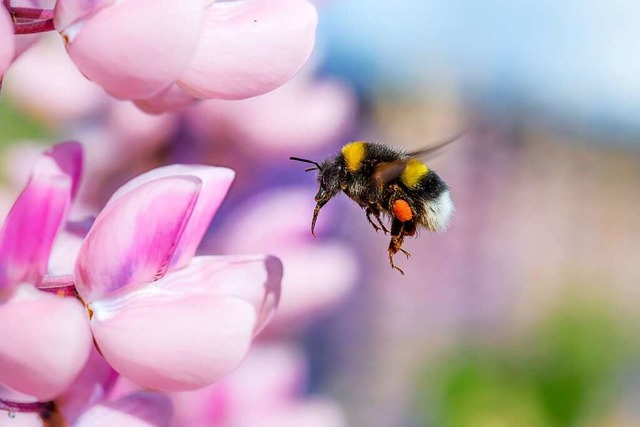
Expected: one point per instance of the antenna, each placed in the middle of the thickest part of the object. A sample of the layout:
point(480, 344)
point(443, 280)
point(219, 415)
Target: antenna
point(298, 159)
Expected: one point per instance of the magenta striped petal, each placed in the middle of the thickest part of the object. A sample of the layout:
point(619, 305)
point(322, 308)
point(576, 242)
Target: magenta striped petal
point(135, 237)
point(215, 184)
point(35, 218)
point(248, 48)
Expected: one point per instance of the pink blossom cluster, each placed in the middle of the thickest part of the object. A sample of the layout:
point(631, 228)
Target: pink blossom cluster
point(110, 321)
point(160, 316)
point(164, 54)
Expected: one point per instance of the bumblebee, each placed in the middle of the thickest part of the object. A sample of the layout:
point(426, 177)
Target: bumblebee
point(386, 182)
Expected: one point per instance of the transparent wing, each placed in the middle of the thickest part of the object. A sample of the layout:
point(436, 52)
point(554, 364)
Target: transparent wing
point(388, 171)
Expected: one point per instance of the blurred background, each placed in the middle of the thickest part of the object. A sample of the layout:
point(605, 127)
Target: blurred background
point(524, 313)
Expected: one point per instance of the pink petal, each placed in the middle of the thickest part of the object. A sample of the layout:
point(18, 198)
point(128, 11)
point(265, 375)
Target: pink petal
point(215, 184)
point(142, 409)
point(45, 342)
point(134, 238)
point(252, 278)
point(7, 44)
point(136, 48)
point(34, 220)
point(248, 48)
point(173, 341)
point(171, 99)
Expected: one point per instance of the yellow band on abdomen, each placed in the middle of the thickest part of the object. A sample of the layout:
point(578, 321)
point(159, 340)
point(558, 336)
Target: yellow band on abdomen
point(413, 173)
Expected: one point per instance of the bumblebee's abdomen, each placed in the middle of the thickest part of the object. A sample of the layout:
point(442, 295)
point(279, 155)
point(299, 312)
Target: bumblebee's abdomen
point(431, 201)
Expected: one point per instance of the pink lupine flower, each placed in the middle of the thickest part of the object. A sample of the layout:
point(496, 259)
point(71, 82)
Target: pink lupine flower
point(151, 50)
point(161, 317)
point(7, 44)
point(45, 337)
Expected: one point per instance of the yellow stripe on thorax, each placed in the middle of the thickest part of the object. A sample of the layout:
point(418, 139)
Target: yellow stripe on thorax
point(413, 173)
point(353, 155)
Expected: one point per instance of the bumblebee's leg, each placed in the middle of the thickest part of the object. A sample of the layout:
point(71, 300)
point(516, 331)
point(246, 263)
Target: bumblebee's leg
point(395, 245)
point(408, 229)
point(371, 210)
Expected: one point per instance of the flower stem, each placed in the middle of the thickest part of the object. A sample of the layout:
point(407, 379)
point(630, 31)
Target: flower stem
point(60, 285)
point(41, 26)
point(30, 13)
point(42, 408)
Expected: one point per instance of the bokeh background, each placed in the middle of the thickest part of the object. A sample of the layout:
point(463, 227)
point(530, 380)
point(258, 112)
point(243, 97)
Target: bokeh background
point(524, 313)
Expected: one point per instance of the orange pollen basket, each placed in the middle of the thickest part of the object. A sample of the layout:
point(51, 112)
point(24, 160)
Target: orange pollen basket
point(402, 210)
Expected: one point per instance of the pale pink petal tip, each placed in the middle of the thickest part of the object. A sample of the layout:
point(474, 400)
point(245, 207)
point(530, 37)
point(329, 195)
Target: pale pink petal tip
point(43, 352)
point(250, 48)
point(215, 185)
point(134, 238)
point(143, 409)
point(7, 44)
point(136, 49)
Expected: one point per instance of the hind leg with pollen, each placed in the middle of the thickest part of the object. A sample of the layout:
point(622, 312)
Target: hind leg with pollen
point(402, 225)
point(398, 231)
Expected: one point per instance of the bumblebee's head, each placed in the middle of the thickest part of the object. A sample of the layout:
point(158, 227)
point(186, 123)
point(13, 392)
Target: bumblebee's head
point(328, 180)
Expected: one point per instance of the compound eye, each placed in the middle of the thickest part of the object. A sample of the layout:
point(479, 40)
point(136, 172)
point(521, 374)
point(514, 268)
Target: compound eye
point(324, 181)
